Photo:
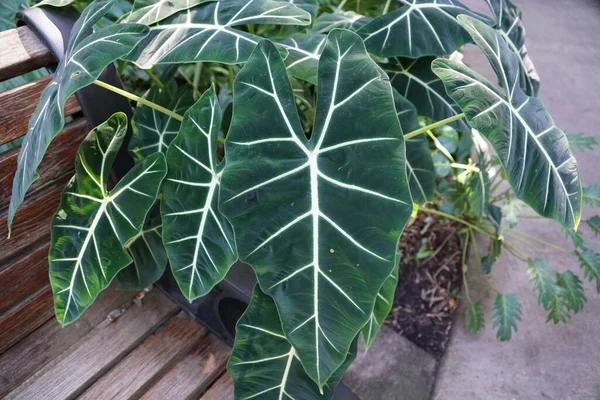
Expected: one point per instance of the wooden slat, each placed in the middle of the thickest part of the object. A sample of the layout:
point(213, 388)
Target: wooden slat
point(108, 343)
point(21, 51)
point(24, 277)
point(50, 340)
point(194, 373)
point(58, 161)
point(23, 319)
point(221, 390)
point(18, 105)
point(143, 366)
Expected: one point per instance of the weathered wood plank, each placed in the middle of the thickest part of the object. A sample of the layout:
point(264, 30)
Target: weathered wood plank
point(23, 278)
point(143, 366)
point(18, 105)
point(50, 340)
point(107, 344)
point(221, 390)
point(21, 51)
point(194, 373)
point(32, 222)
point(21, 320)
point(57, 163)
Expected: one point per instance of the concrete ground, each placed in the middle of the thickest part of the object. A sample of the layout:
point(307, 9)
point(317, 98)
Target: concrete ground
point(543, 361)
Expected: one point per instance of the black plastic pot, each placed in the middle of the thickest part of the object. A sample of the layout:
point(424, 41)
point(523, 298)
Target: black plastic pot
point(224, 305)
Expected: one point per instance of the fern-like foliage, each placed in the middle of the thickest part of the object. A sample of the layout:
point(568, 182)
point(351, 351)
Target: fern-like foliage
point(591, 195)
point(506, 313)
point(572, 291)
point(594, 224)
point(590, 263)
point(474, 316)
point(549, 292)
point(581, 142)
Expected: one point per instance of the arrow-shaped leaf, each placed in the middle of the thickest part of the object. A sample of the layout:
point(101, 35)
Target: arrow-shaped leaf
point(534, 152)
point(308, 5)
point(93, 226)
point(383, 306)
point(149, 12)
point(154, 130)
point(340, 19)
point(419, 164)
point(198, 238)
point(206, 32)
point(84, 61)
point(418, 28)
point(264, 365)
point(149, 258)
point(415, 80)
point(293, 201)
point(509, 22)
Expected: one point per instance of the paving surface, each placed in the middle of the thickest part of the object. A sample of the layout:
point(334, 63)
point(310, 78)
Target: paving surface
point(543, 361)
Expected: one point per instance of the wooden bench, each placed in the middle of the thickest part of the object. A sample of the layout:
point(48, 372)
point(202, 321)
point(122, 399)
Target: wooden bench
point(126, 345)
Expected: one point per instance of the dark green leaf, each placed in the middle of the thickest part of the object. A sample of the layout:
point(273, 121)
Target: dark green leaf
point(572, 291)
point(549, 293)
point(8, 13)
point(594, 224)
point(581, 142)
point(198, 238)
point(149, 12)
point(590, 263)
point(415, 80)
point(154, 131)
point(84, 61)
point(591, 195)
point(494, 251)
point(418, 28)
point(308, 5)
point(304, 52)
point(93, 226)
point(264, 365)
point(533, 151)
point(290, 198)
point(575, 236)
point(340, 19)
point(475, 318)
point(506, 312)
point(206, 32)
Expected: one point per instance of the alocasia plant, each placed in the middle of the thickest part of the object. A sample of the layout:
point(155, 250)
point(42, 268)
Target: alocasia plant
point(342, 125)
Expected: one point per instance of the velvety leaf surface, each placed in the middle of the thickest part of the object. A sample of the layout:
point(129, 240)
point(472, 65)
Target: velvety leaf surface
point(85, 59)
point(206, 32)
point(415, 80)
point(154, 130)
point(149, 12)
point(419, 164)
point(93, 226)
point(264, 365)
point(293, 201)
point(198, 238)
point(149, 258)
point(308, 5)
point(418, 28)
point(303, 58)
point(534, 152)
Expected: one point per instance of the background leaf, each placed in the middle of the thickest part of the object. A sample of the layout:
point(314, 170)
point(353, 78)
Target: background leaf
point(506, 312)
point(475, 318)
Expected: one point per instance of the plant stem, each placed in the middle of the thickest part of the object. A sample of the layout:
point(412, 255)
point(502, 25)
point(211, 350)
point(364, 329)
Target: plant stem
point(456, 219)
point(231, 77)
point(472, 168)
point(342, 4)
point(440, 146)
point(512, 250)
point(433, 126)
point(154, 78)
point(387, 7)
point(464, 266)
point(535, 239)
point(197, 75)
point(197, 93)
point(139, 100)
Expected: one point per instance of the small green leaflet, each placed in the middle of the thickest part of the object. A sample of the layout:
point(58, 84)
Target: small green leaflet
point(340, 19)
point(418, 28)
point(510, 23)
point(474, 317)
point(419, 164)
point(542, 278)
point(264, 365)
point(590, 263)
point(92, 226)
point(383, 306)
point(581, 142)
point(206, 32)
point(289, 198)
point(415, 80)
point(85, 59)
point(594, 224)
point(303, 58)
point(591, 195)
point(506, 313)
point(149, 258)
point(149, 12)
point(534, 152)
point(572, 291)
point(154, 131)
point(198, 238)
point(494, 251)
